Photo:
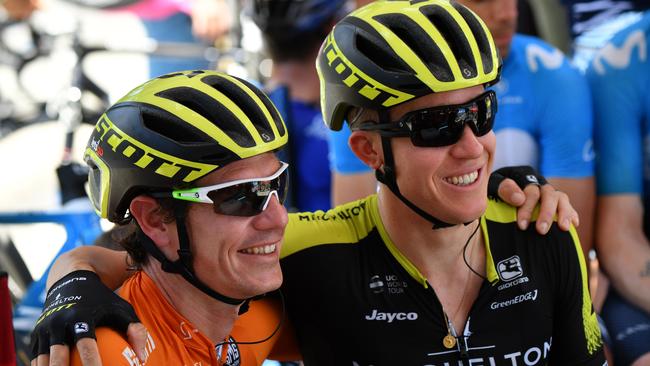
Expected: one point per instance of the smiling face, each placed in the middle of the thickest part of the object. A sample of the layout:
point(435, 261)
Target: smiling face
point(238, 256)
point(449, 182)
point(500, 16)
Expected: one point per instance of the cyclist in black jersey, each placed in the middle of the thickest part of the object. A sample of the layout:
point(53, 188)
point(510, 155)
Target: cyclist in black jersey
point(426, 272)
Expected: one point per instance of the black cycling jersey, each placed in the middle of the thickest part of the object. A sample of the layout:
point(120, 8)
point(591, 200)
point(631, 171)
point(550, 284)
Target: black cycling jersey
point(354, 299)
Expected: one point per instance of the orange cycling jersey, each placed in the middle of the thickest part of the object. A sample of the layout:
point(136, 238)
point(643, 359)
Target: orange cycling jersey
point(173, 340)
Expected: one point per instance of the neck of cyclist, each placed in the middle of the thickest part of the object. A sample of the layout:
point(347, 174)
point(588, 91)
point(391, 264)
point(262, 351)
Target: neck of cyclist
point(211, 317)
point(300, 77)
point(435, 253)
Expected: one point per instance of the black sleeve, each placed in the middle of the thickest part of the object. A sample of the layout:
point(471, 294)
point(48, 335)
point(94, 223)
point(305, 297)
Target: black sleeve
point(576, 333)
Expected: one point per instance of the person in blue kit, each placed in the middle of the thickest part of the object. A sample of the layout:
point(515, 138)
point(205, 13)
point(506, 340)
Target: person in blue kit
point(544, 119)
point(293, 31)
point(592, 23)
point(620, 84)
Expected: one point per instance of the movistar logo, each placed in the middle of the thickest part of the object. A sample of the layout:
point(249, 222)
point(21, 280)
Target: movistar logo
point(620, 57)
point(550, 59)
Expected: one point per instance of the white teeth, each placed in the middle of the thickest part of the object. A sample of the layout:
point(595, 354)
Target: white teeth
point(266, 249)
point(464, 179)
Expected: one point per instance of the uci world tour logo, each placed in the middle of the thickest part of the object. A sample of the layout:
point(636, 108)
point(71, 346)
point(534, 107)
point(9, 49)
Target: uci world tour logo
point(510, 269)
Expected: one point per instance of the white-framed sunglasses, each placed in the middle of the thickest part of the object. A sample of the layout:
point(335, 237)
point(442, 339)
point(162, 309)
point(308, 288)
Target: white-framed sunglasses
point(243, 197)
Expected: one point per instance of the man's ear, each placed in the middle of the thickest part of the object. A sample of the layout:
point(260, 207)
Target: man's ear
point(367, 147)
point(152, 220)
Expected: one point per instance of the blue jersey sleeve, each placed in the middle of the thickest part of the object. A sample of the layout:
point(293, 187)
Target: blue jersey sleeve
point(545, 116)
point(564, 114)
point(619, 78)
point(342, 159)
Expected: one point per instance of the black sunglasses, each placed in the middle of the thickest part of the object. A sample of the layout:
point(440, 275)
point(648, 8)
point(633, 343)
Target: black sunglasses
point(443, 125)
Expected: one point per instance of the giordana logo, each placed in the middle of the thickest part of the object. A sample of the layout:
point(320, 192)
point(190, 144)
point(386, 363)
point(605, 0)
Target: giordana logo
point(390, 317)
point(510, 269)
point(81, 327)
point(532, 179)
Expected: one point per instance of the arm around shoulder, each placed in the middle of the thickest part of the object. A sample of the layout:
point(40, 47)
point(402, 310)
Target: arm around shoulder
point(110, 265)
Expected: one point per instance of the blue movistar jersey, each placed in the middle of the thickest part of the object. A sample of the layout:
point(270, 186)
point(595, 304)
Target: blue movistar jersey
point(620, 81)
point(309, 156)
point(306, 152)
point(544, 118)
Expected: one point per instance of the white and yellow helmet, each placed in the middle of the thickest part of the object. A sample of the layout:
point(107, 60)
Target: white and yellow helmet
point(173, 130)
point(389, 52)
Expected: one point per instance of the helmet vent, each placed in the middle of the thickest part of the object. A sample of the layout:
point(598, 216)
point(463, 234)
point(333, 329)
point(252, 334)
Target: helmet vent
point(213, 111)
point(247, 104)
point(275, 115)
point(480, 36)
point(383, 57)
point(167, 76)
point(455, 37)
point(418, 41)
point(171, 127)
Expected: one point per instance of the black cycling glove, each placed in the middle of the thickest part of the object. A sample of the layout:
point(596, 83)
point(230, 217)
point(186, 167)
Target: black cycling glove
point(73, 307)
point(523, 175)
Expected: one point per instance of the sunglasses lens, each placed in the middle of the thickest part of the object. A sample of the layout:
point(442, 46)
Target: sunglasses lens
point(250, 198)
point(488, 109)
point(443, 126)
point(235, 200)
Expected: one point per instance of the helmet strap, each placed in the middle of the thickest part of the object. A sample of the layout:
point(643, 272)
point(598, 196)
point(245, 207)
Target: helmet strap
point(183, 265)
point(184, 252)
point(389, 178)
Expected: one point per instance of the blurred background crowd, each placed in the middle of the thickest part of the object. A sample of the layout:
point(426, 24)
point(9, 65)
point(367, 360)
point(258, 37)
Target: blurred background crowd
point(573, 103)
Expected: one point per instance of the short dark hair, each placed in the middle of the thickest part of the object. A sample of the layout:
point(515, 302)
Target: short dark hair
point(125, 236)
point(357, 116)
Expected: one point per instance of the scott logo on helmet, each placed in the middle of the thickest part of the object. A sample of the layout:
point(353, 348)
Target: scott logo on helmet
point(355, 79)
point(143, 156)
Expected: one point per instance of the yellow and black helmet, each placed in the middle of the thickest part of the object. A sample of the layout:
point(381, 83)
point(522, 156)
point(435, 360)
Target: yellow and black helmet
point(174, 129)
point(389, 52)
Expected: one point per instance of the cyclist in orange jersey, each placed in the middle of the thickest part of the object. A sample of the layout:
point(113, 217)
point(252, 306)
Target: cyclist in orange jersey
point(169, 333)
point(185, 164)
